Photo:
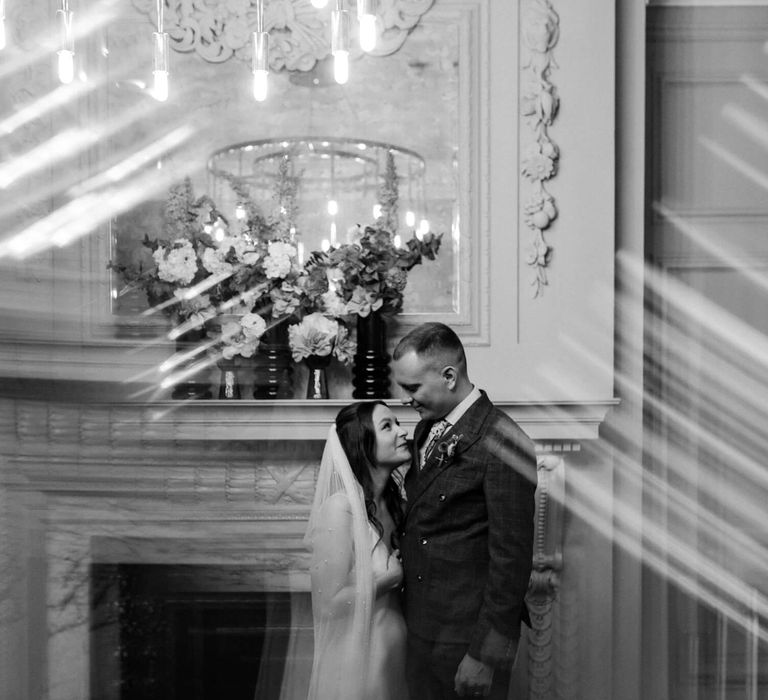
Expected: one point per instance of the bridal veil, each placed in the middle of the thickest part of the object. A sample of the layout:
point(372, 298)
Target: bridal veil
point(342, 579)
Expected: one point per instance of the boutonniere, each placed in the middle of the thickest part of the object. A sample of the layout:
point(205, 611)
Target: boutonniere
point(446, 450)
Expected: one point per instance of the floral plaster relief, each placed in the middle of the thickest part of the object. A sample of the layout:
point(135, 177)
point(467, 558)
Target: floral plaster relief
point(539, 105)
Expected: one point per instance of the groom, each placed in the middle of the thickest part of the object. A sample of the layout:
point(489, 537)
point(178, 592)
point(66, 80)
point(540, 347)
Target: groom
point(467, 541)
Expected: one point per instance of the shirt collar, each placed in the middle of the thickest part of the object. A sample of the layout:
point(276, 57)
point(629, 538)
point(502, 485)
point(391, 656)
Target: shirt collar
point(459, 410)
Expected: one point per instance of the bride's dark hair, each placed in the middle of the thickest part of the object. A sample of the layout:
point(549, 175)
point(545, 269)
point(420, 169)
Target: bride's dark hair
point(354, 426)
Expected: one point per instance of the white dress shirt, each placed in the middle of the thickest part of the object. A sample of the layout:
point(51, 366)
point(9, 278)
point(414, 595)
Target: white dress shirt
point(451, 419)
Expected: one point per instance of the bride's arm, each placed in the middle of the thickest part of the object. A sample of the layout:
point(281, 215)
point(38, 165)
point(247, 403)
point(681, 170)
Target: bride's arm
point(388, 580)
point(332, 559)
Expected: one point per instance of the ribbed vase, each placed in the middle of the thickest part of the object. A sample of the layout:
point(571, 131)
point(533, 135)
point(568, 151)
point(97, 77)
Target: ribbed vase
point(195, 384)
point(370, 371)
point(273, 364)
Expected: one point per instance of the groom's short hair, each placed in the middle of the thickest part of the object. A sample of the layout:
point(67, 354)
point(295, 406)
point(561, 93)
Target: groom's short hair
point(435, 341)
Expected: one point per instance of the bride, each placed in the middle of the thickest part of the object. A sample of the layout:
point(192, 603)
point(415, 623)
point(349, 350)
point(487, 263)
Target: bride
point(355, 570)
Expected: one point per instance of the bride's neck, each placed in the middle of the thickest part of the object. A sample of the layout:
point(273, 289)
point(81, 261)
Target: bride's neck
point(379, 480)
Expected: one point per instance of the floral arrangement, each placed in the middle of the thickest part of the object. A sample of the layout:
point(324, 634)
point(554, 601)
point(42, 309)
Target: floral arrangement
point(239, 284)
point(173, 269)
point(240, 335)
point(202, 272)
point(370, 275)
point(319, 336)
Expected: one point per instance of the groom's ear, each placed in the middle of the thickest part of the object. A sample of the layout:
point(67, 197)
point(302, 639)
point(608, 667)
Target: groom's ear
point(449, 375)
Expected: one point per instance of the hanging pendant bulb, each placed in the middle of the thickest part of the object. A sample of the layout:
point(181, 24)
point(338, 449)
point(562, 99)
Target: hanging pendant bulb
point(260, 65)
point(66, 52)
point(160, 58)
point(2, 25)
point(366, 17)
point(260, 60)
point(160, 66)
point(340, 43)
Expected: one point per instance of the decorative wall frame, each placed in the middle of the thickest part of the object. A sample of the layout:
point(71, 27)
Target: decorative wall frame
point(82, 266)
point(463, 24)
point(539, 102)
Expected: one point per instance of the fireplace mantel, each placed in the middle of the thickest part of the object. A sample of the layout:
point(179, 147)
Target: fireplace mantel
point(553, 426)
point(182, 483)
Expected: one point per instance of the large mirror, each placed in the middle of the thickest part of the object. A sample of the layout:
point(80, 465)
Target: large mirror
point(407, 103)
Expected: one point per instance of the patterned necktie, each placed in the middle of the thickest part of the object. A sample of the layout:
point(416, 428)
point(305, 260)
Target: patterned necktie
point(434, 435)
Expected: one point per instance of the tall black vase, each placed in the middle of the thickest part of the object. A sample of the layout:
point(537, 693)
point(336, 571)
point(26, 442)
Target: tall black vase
point(370, 372)
point(273, 364)
point(195, 384)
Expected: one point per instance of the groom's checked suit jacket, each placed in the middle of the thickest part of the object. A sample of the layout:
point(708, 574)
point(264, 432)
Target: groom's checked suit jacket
point(467, 541)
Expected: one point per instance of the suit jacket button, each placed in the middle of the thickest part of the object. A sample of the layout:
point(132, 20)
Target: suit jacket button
point(423, 540)
point(442, 496)
point(419, 578)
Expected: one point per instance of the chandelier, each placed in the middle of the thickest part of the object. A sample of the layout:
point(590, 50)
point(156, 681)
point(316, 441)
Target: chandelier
point(339, 183)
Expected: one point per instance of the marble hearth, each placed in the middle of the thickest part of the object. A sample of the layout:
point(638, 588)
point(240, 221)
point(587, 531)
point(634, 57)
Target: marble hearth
point(212, 484)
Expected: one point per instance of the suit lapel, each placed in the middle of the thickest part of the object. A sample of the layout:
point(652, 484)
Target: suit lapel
point(469, 427)
point(419, 435)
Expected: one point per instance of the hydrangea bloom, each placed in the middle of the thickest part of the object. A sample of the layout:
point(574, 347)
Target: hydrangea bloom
point(213, 261)
point(278, 261)
point(241, 336)
point(253, 326)
point(178, 264)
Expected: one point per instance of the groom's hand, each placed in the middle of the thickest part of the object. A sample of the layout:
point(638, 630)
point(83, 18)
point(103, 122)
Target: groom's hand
point(474, 678)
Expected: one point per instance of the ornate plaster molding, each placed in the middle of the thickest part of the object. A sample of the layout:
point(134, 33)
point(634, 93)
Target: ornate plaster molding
point(539, 103)
point(300, 35)
point(545, 577)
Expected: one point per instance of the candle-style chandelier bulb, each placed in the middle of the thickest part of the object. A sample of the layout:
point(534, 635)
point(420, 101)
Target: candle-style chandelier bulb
point(366, 17)
point(160, 57)
point(260, 59)
point(2, 25)
point(160, 66)
point(340, 43)
point(66, 52)
point(260, 65)
point(341, 67)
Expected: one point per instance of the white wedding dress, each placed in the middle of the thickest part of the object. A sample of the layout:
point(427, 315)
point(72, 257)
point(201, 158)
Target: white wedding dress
point(359, 638)
point(349, 664)
point(386, 666)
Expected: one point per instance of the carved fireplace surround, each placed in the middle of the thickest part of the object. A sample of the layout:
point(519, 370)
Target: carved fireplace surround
point(218, 483)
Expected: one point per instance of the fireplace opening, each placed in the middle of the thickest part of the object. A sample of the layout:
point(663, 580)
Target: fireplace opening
point(195, 633)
